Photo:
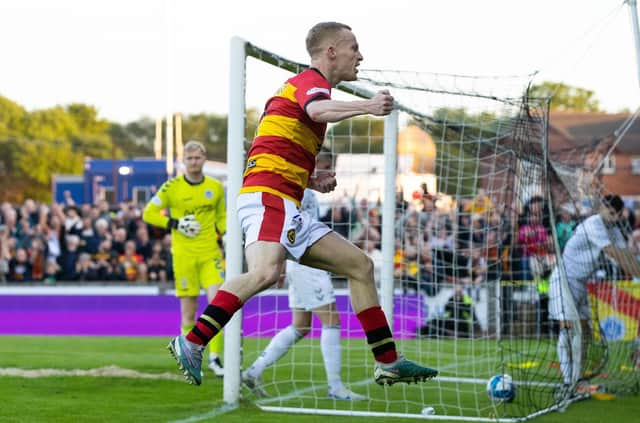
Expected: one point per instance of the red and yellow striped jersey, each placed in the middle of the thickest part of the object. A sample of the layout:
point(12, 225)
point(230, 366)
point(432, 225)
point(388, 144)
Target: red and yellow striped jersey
point(283, 153)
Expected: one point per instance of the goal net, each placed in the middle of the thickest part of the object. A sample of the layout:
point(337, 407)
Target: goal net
point(607, 356)
point(454, 197)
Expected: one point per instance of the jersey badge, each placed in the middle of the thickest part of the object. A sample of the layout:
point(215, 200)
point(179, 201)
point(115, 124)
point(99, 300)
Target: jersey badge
point(291, 236)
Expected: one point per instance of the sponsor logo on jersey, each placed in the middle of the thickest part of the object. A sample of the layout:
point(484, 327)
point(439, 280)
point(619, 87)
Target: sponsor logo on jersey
point(208, 194)
point(316, 90)
point(291, 236)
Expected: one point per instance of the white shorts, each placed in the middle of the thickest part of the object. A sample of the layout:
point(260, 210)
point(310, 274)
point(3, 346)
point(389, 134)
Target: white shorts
point(309, 288)
point(561, 300)
point(267, 217)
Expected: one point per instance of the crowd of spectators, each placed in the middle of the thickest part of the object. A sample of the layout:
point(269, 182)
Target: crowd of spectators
point(471, 242)
point(69, 242)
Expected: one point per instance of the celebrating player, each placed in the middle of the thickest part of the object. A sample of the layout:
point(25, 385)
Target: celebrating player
point(197, 220)
point(581, 256)
point(280, 166)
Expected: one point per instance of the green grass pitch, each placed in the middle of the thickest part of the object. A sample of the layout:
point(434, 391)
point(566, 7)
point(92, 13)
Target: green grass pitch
point(118, 399)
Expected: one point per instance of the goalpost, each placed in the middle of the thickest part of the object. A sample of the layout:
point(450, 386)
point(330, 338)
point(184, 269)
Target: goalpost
point(460, 290)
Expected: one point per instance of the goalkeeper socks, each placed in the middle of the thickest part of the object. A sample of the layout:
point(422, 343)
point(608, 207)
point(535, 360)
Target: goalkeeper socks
point(375, 326)
point(332, 356)
point(215, 316)
point(278, 347)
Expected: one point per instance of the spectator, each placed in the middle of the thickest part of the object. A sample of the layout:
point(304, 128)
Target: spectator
point(368, 230)
point(442, 239)
point(86, 269)
point(72, 220)
point(20, 267)
point(532, 237)
point(38, 257)
point(5, 256)
point(70, 258)
point(457, 321)
point(54, 236)
point(480, 205)
point(564, 227)
point(102, 260)
point(115, 269)
point(129, 261)
point(157, 267)
point(143, 272)
point(30, 212)
point(51, 269)
point(119, 240)
point(89, 241)
point(478, 272)
point(340, 218)
point(143, 243)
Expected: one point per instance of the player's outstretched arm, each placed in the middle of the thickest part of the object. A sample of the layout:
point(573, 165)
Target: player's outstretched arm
point(625, 259)
point(335, 110)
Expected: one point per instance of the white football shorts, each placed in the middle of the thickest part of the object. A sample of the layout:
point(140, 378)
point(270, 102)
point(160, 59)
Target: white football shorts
point(267, 217)
point(309, 288)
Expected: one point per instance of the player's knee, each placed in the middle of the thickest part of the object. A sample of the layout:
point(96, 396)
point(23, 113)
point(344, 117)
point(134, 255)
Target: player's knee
point(361, 269)
point(264, 278)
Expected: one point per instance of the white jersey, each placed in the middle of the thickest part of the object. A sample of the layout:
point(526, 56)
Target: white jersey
point(581, 258)
point(583, 249)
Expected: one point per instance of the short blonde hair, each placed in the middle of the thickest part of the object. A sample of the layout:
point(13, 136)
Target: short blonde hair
point(195, 145)
point(322, 32)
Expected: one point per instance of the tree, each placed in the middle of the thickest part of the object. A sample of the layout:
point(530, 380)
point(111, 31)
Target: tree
point(34, 145)
point(28, 165)
point(565, 97)
point(38, 144)
point(12, 117)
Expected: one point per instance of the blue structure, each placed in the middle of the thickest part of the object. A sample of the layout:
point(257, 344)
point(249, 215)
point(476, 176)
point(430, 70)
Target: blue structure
point(113, 180)
point(72, 183)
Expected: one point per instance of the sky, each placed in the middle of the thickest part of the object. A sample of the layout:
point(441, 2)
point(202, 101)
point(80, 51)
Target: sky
point(135, 58)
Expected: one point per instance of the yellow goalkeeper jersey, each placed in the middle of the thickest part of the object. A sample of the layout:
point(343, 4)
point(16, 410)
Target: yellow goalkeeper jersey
point(205, 200)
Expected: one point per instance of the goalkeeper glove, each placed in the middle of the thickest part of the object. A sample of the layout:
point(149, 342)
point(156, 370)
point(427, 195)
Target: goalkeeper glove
point(187, 226)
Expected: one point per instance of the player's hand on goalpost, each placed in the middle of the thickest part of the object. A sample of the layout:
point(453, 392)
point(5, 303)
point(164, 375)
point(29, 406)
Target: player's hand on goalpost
point(381, 103)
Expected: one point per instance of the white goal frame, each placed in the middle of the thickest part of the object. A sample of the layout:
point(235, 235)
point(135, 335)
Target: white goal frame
point(240, 50)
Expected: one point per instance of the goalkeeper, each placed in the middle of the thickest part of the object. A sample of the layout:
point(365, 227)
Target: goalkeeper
point(280, 165)
point(197, 221)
